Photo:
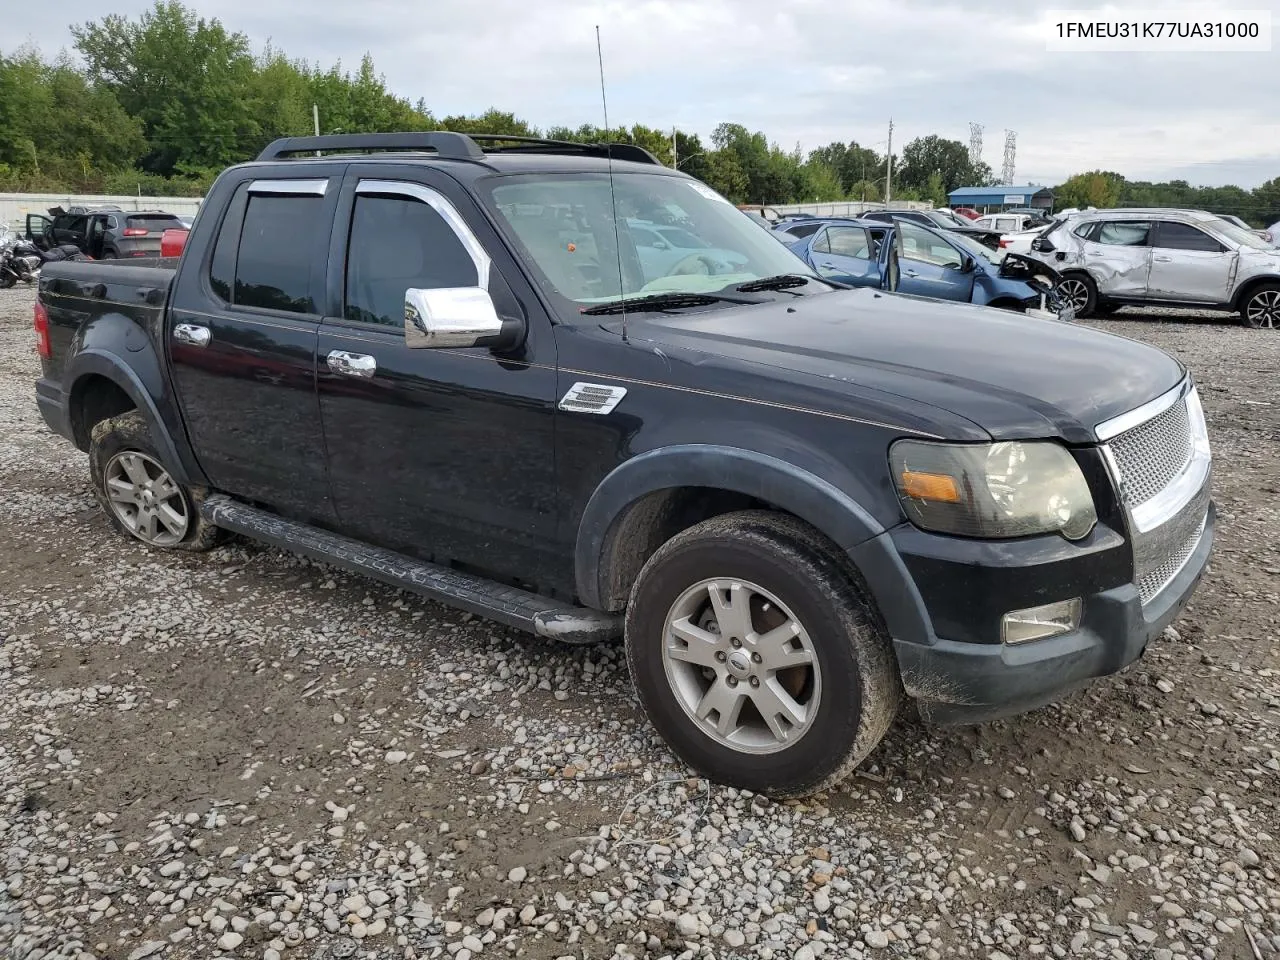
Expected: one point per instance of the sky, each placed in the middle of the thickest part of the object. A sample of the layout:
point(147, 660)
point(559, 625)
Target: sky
point(804, 72)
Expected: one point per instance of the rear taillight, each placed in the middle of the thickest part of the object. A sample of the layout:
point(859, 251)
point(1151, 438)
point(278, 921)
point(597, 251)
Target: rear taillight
point(43, 347)
point(172, 242)
point(1003, 243)
point(135, 232)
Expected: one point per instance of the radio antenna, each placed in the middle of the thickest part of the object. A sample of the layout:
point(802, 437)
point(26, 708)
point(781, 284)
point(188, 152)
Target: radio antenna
point(613, 197)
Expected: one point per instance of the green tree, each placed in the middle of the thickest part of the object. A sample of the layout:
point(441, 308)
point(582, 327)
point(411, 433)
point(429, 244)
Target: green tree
point(1095, 189)
point(184, 77)
point(926, 157)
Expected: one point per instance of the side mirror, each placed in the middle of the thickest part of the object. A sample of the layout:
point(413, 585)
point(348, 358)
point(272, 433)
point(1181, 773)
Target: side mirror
point(969, 265)
point(457, 317)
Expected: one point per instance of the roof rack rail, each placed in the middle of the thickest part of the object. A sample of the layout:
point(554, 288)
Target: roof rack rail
point(619, 151)
point(456, 146)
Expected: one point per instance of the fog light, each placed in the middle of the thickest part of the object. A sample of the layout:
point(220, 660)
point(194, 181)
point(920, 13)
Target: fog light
point(1036, 623)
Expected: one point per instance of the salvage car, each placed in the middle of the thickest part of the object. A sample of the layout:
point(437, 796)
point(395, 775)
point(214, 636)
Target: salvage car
point(796, 502)
point(939, 220)
point(1157, 257)
point(933, 263)
point(103, 233)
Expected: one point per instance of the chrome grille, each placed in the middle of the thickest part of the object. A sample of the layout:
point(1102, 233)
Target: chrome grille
point(1151, 582)
point(1151, 455)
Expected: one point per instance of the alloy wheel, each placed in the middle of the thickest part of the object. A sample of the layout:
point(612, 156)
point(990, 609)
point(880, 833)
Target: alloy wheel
point(1075, 293)
point(1263, 309)
point(741, 666)
point(146, 499)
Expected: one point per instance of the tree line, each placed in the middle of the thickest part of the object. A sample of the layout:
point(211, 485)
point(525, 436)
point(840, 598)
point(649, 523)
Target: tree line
point(162, 103)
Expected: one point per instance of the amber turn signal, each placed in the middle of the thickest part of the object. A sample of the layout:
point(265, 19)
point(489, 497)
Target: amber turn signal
point(930, 486)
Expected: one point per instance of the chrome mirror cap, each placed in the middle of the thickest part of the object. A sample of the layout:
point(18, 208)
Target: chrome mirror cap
point(450, 317)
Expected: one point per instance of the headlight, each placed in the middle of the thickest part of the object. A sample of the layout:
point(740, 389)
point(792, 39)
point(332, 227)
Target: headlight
point(1010, 489)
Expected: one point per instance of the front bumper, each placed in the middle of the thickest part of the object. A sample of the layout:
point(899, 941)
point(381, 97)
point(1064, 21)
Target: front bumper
point(976, 679)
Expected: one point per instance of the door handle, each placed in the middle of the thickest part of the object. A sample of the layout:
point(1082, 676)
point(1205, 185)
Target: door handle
point(352, 364)
point(192, 334)
point(1164, 259)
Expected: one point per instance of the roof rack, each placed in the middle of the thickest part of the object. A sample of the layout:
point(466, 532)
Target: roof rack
point(457, 146)
point(619, 151)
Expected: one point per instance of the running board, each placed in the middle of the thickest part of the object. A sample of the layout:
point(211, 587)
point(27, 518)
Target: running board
point(510, 605)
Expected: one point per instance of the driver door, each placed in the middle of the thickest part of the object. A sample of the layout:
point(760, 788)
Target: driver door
point(930, 266)
point(40, 230)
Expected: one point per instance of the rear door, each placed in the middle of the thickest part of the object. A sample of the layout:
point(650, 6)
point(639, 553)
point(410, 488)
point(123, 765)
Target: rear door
point(1188, 264)
point(931, 267)
point(443, 454)
point(242, 344)
point(845, 254)
point(1117, 254)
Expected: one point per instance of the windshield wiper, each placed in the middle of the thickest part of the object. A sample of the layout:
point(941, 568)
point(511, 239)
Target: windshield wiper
point(784, 281)
point(661, 301)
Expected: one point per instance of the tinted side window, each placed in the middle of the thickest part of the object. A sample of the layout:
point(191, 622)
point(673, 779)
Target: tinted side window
point(273, 261)
point(1181, 236)
point(823, 243)
point(803, 231)
point(1123, 234)
point(926, 247)
point(398, 243)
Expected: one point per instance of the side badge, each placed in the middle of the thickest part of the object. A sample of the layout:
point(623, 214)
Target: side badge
point(592, 398)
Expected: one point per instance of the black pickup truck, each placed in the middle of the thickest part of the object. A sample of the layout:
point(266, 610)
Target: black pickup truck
point(452, 363)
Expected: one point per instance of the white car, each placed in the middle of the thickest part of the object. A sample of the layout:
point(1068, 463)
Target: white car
point(1011, 222)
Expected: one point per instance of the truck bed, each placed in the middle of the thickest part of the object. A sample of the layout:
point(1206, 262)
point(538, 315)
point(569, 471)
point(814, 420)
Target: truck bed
point(74, 292)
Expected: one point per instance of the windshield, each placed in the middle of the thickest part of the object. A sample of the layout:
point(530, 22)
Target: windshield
point(975, 249)
point(1246, 238)
point(948, 220)
point(674, 236)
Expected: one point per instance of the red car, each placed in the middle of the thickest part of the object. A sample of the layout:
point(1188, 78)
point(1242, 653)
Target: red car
point(969, 212)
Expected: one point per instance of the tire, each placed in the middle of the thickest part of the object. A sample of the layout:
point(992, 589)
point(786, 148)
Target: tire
point(119, 448)
point(848, 690)
point(7, 280)
point(1079, 290)
point(1261, 309)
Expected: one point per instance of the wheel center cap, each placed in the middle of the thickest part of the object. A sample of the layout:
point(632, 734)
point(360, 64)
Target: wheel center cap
point(739, 664)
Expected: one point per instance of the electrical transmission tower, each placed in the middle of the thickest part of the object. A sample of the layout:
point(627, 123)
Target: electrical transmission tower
point(1010, 151)
point(975, 144)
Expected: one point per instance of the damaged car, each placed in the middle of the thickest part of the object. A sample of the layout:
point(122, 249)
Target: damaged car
point(1109, 259)
point(930, 263)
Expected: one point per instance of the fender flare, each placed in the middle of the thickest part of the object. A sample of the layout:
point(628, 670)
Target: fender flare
point(753, 474)
point(1247, 288)
point(94, 361)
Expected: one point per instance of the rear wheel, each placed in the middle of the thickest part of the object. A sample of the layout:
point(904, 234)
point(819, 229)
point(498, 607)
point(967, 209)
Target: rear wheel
point(1079, 290)
point(1261, 308)
point(756, 658)
point(140, 496)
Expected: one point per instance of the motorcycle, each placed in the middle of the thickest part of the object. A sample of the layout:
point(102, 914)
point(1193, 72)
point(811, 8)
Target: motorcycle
point(21, 260)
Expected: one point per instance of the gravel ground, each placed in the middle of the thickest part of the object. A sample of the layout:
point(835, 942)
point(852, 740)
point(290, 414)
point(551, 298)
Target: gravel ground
point(244, 754)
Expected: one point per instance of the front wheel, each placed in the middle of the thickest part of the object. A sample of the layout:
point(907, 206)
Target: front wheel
point(756, 658)
point(1079, 290)
point(1261, 309)
point(141, 498)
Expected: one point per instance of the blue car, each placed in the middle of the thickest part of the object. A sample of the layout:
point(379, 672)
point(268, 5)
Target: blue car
point(910, 258)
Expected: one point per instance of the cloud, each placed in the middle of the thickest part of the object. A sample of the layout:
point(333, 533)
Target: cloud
point(802, 71)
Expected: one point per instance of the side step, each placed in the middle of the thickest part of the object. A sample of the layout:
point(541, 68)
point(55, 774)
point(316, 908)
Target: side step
point(510, 605)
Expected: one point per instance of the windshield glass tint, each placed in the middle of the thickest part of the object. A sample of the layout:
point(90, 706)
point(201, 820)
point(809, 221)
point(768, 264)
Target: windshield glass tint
point(672, 235)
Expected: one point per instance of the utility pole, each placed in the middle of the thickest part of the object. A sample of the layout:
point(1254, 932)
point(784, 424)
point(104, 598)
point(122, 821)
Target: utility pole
point(675, 152)
point(888, 177)
point(315, 121)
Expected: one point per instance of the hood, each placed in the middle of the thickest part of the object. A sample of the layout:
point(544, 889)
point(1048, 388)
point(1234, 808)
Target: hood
point(1015, 376)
